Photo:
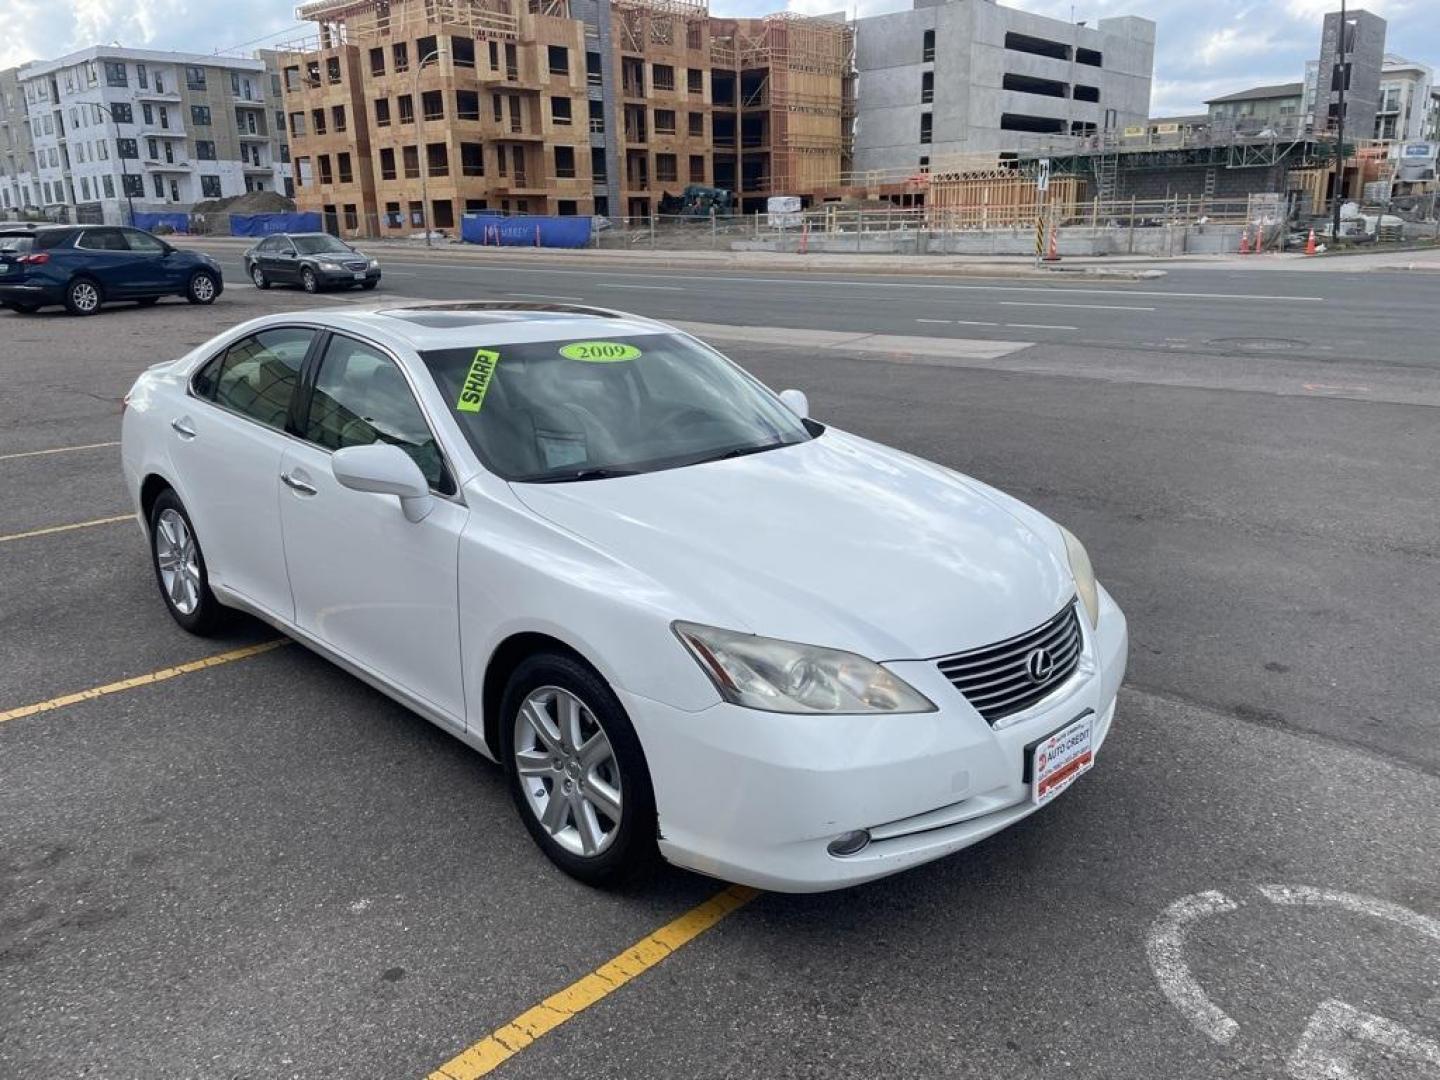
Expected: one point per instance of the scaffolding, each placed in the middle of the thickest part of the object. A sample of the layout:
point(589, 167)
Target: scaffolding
point(354, 22)
point(672, 24)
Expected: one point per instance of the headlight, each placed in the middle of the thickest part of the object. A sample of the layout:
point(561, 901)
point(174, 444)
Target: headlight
point(374, 264)
point(781, 676)
point(1084, 575)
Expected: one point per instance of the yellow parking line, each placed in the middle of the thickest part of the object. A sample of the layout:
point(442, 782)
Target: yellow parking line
point(57, 450)
point(505, 1042)
point(143, 680)
point(65, 528)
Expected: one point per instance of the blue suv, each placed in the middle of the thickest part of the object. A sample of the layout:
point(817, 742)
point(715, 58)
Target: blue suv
point(84, 266)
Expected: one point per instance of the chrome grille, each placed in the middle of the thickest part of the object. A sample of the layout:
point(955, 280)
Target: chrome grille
point(356, 265)
point(998, 679)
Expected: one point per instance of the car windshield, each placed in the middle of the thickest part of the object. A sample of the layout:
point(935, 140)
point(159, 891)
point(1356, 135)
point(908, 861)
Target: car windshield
point(318, 245)
point(553, 411)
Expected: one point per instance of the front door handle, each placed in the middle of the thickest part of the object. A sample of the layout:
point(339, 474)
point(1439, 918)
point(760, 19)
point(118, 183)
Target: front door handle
point(181, 427)
point(294, 483)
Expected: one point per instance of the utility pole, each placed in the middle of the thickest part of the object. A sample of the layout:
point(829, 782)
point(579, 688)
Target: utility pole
point(424, 149)
point(1344, 77)
point(124, 169)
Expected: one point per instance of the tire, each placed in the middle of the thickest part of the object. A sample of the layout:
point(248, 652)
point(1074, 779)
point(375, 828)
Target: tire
point(83, 297)
point(203, 288)
point(368, 285)
point(196, 609)
point(149, 301)
point(608, 852)
point(258, 277)
point(309, 280)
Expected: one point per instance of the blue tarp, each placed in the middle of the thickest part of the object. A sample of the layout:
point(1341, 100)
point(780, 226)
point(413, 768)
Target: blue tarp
point(265, 224)
point(179, 222)
point(497, 230)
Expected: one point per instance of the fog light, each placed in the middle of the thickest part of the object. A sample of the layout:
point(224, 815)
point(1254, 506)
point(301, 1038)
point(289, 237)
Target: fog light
point(850, 843)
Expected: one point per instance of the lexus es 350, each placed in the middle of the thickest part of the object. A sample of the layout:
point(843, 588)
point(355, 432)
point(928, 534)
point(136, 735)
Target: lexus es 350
point(685, 616)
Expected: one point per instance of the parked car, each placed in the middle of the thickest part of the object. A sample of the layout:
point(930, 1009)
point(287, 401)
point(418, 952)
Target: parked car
point(314, 261)
point(679, 611)
point(85, 266)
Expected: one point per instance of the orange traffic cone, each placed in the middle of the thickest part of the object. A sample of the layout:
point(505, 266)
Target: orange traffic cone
point(1052, 254)
point(1245, 240)
point(1310, 244)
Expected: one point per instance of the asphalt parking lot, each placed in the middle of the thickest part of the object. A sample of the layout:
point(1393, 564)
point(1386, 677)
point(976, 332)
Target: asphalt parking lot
point(262, 868)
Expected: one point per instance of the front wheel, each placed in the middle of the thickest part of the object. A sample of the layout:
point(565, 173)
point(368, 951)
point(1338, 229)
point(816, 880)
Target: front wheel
point(203, 288)
point(309, 280)
point(258, 277)
point(180, 567)
point(576, 770)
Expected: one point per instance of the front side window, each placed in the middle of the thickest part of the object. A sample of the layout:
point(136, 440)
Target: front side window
point(256, 376)
point(362, 398)
point(570, 410)
point(144, 242)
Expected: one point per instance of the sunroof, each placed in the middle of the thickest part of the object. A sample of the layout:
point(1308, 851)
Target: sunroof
point(481, 313)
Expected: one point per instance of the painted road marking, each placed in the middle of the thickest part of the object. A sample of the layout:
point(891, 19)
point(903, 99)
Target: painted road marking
point(57, 450)
point(972, 322)
point(142, 680)
point(543, 296)
point(1038, 326)
point(505, 1042)
point(65, 528)
point(656, 288)
point(945, 322)
point(1082, 307)
point(1336, 1034)
point(1165, 948)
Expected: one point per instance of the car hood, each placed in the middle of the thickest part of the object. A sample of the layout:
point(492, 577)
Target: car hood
point(838, 542)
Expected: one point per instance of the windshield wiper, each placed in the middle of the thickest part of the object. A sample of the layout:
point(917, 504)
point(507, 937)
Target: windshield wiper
point(743, 451)
point(582, 474)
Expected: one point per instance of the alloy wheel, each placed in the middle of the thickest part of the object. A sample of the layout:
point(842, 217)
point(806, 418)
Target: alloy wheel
point(203, 288)
point(568, 771)
point(179, 561)
point(258, 276)
point(85, 296)
point(308, 279)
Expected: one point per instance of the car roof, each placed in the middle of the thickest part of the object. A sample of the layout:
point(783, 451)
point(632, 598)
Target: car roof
point(472, 323)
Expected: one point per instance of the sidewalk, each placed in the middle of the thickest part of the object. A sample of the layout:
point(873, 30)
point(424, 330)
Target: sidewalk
point(772, 261)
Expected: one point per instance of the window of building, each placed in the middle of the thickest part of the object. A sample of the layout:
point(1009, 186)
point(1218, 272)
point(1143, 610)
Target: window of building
point(566, 208)
point(327, 175)
point(115, 73)
point(406, 105)
point(927, 47)
point(317, 121)
point(444, 217)
point(593, 73)
point(599, 174)
point(411, 157)
point(205, 149)
point(1036, 46)
point(1041, 124)
point(1029, 84)
point(497, 108)
point(927, 87)
point(382, 112)
point(662, 76)
point(927, 126)
point(696, 122)
point(127, 148)
point(476, 206)
point(697, 168)
point(560, 111)
point(472, 159)
point(664, 121)
point(343, 163)
point(467, 105)
point(159, 187)
point(427, 51)
point(393, 220)
point(494, 52)
point(85, 188)
point(109, 184)
point(1088, 56)
point(152, 149)
point(194, 78)
point(142, 76)
point(210, 187)
point(437, 159)
point(122, 113)
point(1086, 93)
point(297, 123)
point(462, 52)
point(332, 69)
point(400, 52)
point(387, 163)
point(695, 81)
point(565, 162)
point(377, 61)
point(133, 186)
point(200, 115)
point(558, 58)
point(432, 105)
point(337, 117)
point(666, 169)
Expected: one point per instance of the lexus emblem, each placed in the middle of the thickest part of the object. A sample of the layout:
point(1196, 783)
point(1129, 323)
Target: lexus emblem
point(1039, 665)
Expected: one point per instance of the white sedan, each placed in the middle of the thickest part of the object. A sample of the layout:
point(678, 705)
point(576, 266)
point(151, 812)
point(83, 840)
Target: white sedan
point(684, 616)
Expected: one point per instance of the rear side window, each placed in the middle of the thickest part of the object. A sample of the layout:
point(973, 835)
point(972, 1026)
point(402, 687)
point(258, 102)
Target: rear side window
point(102, 240)
point(256, 376)
point(360, 398)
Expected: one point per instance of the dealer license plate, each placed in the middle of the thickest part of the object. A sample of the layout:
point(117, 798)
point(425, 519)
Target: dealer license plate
point(4, 268)
point(360, 275)
point(1059, 758)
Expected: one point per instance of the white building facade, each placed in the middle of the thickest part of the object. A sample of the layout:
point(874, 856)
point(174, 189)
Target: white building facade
point(1406, 100)
point(111, 130)
point(956, 77)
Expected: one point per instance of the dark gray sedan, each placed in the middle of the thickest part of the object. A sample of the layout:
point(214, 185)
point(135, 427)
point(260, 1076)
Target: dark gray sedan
point(314, 261)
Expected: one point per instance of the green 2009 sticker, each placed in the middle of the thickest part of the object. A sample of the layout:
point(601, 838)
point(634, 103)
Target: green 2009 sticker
point(477, 381)
point(600, 352)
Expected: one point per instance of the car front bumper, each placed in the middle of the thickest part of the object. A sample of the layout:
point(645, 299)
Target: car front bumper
point(338, 275)
point(756, 797)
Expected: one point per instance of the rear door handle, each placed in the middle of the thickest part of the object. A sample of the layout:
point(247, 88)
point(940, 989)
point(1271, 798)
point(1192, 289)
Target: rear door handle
point(294, 483)
point(181, 426)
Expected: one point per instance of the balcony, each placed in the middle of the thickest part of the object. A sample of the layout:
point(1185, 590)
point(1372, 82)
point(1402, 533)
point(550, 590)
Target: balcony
point(254, 136)
point(167, 166)
point(251, 167)
point(163, 96)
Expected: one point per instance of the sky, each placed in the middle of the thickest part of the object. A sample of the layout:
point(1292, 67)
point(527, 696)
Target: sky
point(1202, 50)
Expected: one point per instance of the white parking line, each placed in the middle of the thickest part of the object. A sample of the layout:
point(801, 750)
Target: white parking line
point(1083, 307)
point(57, 450)
point(1039, 326)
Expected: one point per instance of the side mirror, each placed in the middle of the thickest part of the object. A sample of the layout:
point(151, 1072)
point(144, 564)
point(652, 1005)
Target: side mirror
point(796, 402)
point(386, 470)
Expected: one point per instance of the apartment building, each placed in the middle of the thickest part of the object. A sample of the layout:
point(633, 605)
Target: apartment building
point(555, 106)
point(1363, 50)
point(1406, 100)
point(957, 77)
point(108, 130)
point(1277, 107)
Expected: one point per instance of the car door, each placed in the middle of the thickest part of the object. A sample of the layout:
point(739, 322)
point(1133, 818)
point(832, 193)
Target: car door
point(153, 271)
point(281, 261)
point(103, 254)
point(228, 437)
point(375, 587)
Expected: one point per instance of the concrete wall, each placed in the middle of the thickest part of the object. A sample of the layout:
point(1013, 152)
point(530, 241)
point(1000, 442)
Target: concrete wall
point(969, 69)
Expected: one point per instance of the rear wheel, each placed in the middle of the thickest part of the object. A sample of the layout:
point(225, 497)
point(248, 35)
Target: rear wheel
point(258, 277)
point(203, 288)
point(309, 280)
point(180, 567)
point(82, 297)
point(576, 770)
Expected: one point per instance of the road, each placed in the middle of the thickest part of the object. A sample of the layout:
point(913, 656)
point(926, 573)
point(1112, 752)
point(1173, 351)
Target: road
point(265, 869)
point(1389, 316)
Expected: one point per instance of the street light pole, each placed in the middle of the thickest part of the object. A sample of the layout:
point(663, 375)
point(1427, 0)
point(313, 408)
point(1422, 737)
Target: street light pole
point(124, 169)
point(1340, 131)
point(423, 150)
